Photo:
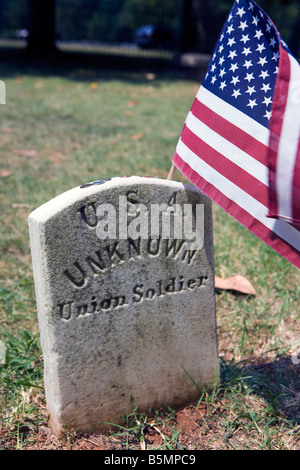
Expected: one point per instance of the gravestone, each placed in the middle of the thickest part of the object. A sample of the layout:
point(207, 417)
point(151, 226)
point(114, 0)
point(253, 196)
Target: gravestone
point(125, 302)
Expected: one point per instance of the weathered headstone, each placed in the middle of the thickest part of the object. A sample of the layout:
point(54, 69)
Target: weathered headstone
point(126, 309)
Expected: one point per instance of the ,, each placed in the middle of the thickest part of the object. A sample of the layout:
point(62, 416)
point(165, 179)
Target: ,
point(240, 142)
